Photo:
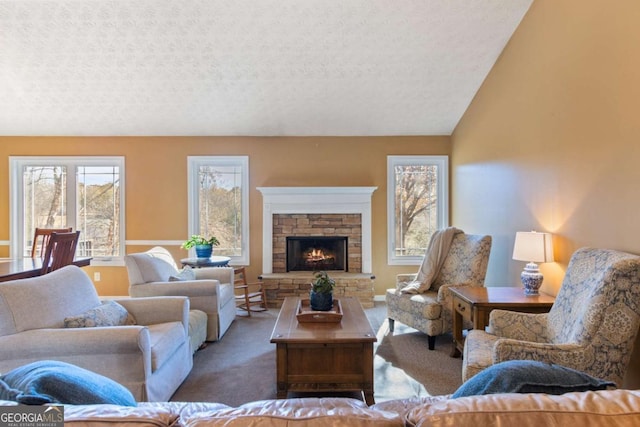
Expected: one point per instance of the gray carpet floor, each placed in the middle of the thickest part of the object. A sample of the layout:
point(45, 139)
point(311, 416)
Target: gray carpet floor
point(242, 366)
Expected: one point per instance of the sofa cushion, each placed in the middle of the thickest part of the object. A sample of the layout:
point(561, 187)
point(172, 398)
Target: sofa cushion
point(145, 414)
point(404, 405)
point(185, 274)
point(145, 268)
point(49, 381)
point(590, 408)
point(56, 295)
point(419, 306)
point(165, 339)
point(529, 376)
point(109, 313)
point(307, 412)
point(197, 329)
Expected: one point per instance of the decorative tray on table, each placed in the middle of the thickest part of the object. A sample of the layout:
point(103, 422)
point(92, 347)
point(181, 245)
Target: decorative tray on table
point(306, 315)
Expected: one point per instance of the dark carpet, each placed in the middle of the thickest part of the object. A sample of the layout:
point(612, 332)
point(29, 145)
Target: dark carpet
point(242, 366)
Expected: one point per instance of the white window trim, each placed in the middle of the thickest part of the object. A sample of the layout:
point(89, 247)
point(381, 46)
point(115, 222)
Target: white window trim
point(16, 164)
point(193, 163)
point(442, 162)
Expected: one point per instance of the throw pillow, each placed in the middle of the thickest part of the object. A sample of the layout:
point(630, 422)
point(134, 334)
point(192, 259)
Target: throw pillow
point(529, 376)
point(109, 313)
point(185, 274)
point(49, 381)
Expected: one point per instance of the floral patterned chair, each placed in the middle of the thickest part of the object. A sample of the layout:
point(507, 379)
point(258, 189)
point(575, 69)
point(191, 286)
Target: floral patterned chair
point(591, 327)
point(430, 312)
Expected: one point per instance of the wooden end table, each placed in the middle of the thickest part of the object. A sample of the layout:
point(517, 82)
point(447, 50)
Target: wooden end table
point(474, 303)
point(324, 357)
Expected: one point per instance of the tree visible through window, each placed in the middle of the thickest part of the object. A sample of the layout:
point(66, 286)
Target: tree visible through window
point(44, 206)
point(98, 210)
point(417, 204)
point(220, 200)
point(218, 203)
point(82, 193)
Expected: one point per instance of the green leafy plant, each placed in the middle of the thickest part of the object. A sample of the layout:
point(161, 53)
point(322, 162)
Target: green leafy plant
point(322, 283)
point(197, 239)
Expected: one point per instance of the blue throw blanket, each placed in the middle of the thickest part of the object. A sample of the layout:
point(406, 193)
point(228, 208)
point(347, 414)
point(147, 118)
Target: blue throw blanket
point(51, 381)
point(529, 376)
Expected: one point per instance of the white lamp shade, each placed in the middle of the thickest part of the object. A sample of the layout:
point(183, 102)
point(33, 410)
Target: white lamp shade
point(531, 246)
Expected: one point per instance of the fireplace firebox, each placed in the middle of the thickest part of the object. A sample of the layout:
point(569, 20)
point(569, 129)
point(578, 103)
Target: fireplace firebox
point(317, 253)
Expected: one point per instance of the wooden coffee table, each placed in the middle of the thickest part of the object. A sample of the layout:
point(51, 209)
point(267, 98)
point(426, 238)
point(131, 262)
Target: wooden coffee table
point(474, 303)
point(324, 357)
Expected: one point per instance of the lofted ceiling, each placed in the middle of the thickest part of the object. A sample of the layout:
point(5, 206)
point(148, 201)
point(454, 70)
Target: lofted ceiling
point(246, 67)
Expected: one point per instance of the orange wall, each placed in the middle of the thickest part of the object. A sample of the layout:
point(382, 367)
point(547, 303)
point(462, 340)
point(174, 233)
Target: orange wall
point(156, 182)
point(551, 142)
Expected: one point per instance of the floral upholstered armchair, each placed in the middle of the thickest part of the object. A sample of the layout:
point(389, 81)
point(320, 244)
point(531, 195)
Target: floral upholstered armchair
point(430, 311)
point(591, 327)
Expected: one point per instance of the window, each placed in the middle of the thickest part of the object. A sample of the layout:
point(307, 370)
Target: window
point(219, 203)
point(417, 205)
point(85, 193)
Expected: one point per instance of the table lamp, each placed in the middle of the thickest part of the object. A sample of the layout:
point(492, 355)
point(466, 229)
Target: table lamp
point(532, 247)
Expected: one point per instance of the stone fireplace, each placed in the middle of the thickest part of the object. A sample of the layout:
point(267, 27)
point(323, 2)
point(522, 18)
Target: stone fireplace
point(324, 232)
point(333, 221)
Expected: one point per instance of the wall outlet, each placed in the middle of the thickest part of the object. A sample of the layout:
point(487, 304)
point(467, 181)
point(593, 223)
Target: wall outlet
point(96, 276)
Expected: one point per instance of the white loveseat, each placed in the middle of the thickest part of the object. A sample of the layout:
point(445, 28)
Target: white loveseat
point(150, 274)
point(151, 357)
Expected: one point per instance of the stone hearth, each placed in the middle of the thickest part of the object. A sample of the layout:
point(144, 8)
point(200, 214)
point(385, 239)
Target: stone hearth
point(298, 284)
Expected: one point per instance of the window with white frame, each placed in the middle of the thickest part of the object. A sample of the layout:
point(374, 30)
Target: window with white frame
point(417, 205)
point(85, 193)
point(219, 203)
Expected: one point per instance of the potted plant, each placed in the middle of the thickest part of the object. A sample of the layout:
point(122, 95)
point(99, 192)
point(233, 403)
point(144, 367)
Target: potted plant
point(321, 296)
point(204, 246)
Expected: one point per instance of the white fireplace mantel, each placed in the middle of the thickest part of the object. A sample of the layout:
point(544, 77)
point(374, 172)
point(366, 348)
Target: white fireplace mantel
point(315, 200)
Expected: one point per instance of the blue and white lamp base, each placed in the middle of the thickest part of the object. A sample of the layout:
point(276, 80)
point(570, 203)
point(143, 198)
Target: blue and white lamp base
point(531, 279)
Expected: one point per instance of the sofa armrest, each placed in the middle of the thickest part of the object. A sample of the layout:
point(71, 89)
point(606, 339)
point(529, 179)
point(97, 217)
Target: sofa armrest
point(186, 288)
point(528, 326)
point(444, 296)
point(404, 279)
point(572, 355)
point(53, 343)
point(153, 310)
point(221, 274)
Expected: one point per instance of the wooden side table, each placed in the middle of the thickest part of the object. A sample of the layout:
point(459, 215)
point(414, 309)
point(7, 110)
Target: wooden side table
point(474, 303)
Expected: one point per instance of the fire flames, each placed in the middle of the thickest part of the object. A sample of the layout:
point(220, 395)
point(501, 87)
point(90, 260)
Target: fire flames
point(317, 256)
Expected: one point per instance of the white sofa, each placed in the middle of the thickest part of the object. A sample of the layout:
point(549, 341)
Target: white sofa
point(211, 291)
point(151, 358)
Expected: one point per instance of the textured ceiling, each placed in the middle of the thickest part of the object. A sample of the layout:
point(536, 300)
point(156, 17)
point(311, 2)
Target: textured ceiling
point(246, 67)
